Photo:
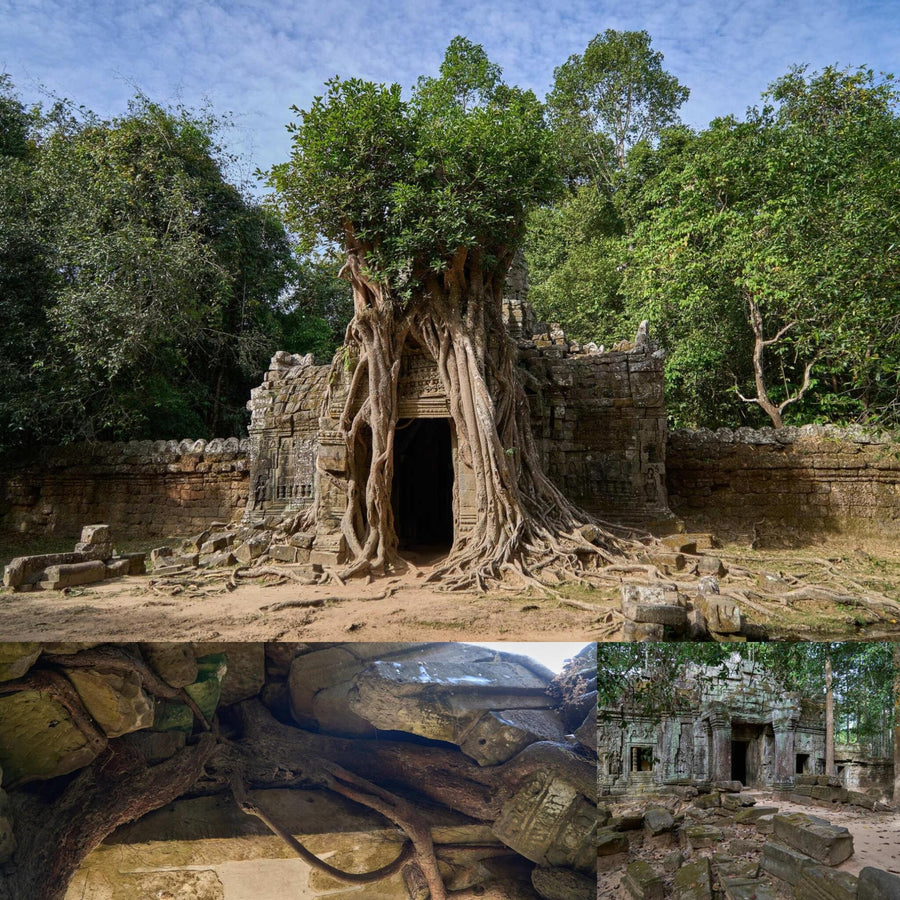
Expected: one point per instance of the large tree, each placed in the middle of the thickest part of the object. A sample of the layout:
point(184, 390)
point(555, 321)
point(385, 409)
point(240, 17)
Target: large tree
point(427, 197)
point(766, 255)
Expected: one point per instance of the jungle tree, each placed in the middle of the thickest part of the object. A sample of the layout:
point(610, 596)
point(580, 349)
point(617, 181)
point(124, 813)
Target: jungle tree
point(427, 197)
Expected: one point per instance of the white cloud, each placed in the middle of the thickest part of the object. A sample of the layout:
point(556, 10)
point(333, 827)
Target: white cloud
point(256, 57)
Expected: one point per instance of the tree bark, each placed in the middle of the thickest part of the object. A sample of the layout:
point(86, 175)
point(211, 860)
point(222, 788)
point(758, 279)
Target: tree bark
point(829, 715)
point(54, 839)
point(896, 648)
point(526, 528)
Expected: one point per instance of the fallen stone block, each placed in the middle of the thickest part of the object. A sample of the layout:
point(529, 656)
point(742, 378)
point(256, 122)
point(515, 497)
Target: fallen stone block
point(563, 884)
point(656, 614)
point(708, 801)
point(657, 821)
point(722, 616)
point(610, 842)
point(673, 861)
point(137, 563)
point(828, 780)
point(699, 836)
point(729, 787)
point(746, 889)
point(117, 568)
point(26, 570)
point(161, 555)
point(711, 565)
point(279, 552)
point(56, 578)
point(679, 543)
point(693, 881)
point(303, 540)
point(224, 558)
point(95, 534)
point(828, 794)
point(217, 542)
point(827, 843)
point(766, 824)
point(643, 882)
point(750, 815)
point(737, 801)
point(858, 798)
point(876, 884)
point(642, 631)
point(731, 867)
point(823, 883)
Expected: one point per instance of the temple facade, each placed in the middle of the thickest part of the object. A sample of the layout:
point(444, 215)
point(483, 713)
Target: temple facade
point(734, 722)
point(598, 417)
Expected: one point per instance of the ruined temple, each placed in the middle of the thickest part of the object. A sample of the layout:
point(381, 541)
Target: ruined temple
point(598, 417)
point(733, 722)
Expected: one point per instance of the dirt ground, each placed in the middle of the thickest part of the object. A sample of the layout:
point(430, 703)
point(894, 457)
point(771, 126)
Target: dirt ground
point(198, 606)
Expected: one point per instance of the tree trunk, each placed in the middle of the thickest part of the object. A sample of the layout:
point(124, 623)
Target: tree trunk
point(525, 527)
point(829, 716)
point(117, 787)
point(896, 648)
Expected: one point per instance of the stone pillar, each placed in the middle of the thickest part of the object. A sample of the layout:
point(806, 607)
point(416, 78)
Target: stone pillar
point(701, 750)
point(784, 724)
point(720, 752)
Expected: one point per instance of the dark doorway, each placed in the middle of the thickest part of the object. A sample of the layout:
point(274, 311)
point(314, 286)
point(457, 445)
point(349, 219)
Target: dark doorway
point(802, 762)
point(422, 494)
point(739, 761)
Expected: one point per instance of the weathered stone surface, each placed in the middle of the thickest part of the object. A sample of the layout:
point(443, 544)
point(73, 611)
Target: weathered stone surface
point(752, 814)
point(156, 746)
point(708, 801)
point(731, 867)
point(16, 658)
point(722, 615)
point(693, 881)
point(824, 883)
point(550, 822)
point(73, 574)
point(38, 738)
point(784, 862)
point(643, 882)
point(785, 484)
point(7, 835)
point(876, 884)
point(642, 631)
point(245, 669)
point(699, 836)
point(657, 821)
point(563, 884)
point(610, 842)
point(499, 735)
point(174, 662)
point(214, 560)
point(746, 889)
point(118, 568)
point(829, 844)
point(115, 700)
point(207, 689)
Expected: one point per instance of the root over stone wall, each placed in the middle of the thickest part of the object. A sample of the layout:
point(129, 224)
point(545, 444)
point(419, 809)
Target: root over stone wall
point(786, 485)
point(140, 488)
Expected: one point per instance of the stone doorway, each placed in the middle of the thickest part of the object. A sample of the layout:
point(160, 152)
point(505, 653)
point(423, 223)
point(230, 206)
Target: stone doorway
point(739, 761)
point(422, 494)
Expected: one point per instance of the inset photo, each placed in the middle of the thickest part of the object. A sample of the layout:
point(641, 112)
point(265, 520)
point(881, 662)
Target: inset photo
point(264, 771)
point(748, 771)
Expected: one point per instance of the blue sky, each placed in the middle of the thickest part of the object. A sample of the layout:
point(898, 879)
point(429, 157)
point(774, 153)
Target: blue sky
point(257, 58)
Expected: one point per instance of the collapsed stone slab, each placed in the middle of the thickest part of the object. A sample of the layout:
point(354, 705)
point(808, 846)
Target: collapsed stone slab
point(824, 842)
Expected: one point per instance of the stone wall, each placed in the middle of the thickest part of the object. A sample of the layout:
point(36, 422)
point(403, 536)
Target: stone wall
point(141, 489)
point(787, 485)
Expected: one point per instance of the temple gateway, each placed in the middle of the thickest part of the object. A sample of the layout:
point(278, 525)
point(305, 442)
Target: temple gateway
point(734, 723)
point(598, 418)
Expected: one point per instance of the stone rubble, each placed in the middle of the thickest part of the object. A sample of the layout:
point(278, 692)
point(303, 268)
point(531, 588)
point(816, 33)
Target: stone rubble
point(92, 560)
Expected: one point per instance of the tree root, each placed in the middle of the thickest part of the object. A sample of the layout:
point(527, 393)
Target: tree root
point(252, 808)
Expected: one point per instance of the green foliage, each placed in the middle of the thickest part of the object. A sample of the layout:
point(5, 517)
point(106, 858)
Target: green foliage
point(605, 102)
point(412, 183)
point(145, 287)
point(774, 210)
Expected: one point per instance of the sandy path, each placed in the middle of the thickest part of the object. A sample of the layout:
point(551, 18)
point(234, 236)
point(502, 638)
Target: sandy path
point(876, 835)
point(135, 609)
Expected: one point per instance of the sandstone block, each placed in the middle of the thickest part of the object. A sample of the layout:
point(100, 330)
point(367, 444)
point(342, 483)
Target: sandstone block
point(752, 814)
point(245, 668)
point(857, 798)
point(563, 884)
point(282, 553)
point(694, 881)
point(876, 884)
point(699, 836)
point(746, 889)
point(173, 661)
point(823, 883)
point(57, 577)
point(642, 631)
point(722, 616)
point(115, 700)
point(643, 882)
point(610, 842)
point(95, 534)
point(117, 568)
point(16, 658)
point(679, 543)
point(657, 821)
point(829, 844)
